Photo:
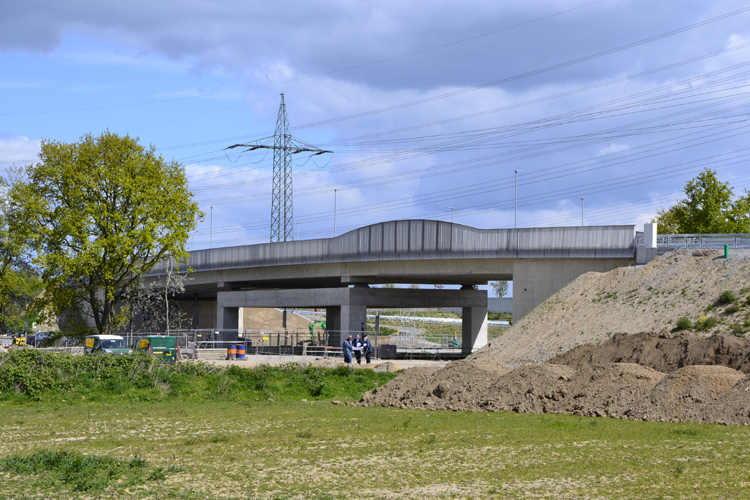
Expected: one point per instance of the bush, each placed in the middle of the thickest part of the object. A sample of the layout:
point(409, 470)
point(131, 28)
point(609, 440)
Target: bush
point(732, 309)
point(727, 297)
point(684, 324)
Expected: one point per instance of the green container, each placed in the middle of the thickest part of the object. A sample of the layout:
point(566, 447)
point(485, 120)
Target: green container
point(161, 346)
point(726, 251)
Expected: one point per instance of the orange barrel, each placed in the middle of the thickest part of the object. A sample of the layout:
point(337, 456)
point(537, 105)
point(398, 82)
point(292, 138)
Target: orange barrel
point(240, 351)
point(231, 351)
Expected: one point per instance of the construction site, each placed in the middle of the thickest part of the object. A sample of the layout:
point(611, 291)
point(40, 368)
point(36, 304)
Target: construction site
point(664, 342)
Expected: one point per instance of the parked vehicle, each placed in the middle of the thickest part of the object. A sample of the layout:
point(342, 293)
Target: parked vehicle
point(161, 346)
point(108, 344)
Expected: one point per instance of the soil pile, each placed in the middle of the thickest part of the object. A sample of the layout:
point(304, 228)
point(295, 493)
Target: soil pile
point(684, 394)
point(663, 351)
point(595, 381)
point(636, 299)
point(459, 386)
point(264, 318)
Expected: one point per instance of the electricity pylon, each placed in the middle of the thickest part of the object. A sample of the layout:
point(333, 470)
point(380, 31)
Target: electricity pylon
point(284, 146)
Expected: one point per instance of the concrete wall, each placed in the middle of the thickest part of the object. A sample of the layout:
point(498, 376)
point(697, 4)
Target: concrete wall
point(534, 281)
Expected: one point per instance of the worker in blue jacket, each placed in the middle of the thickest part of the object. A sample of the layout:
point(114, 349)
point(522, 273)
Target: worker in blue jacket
point(347, 349)
point(367, 348)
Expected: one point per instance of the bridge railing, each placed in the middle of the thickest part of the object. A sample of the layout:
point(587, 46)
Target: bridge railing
point(698, 240)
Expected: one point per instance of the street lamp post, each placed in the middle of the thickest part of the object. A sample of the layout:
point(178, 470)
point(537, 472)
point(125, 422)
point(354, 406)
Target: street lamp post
point(451, 214)
point(581, 198)
point(211, 234)
point(297, 229)
point(334, 212)
point(516, 209)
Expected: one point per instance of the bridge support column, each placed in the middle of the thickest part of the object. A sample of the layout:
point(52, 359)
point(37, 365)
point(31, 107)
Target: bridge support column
point(227, 318)
point(473, 328)
point(349, 319)
point(333, 324)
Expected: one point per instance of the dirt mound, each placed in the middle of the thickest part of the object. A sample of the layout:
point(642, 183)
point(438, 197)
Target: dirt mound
point(529, 389)
point(603, 390)
point(684, 394)
point(595, 381)
point(635, 299)
point(732, 408)
point(663, 351)
point(265, 318)
point(458, 386)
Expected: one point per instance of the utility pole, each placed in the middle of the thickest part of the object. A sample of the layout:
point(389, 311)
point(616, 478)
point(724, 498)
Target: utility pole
point(284, 146)
point(516, 210)
point(334, 212)
point(451, 214)
point(581, 198)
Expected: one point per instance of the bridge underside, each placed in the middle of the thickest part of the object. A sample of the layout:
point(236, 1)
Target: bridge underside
point(534, 280)
point(346, 308)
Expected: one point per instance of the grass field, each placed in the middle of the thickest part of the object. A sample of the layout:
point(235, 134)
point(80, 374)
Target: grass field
point(308, 449)
point(129, 427)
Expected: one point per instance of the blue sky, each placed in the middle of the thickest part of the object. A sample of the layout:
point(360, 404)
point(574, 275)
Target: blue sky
point(605, 99)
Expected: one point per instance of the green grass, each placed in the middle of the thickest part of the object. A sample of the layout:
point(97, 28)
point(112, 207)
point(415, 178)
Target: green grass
point(319, 450)
point(31, 375)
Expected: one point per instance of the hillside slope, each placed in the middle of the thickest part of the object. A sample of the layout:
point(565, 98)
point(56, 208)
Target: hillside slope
point(652, 297)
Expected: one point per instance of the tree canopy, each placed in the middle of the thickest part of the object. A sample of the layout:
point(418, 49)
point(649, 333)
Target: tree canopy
point(100, 213)
point(709, 207)
point(500, 288)
point(19, 281)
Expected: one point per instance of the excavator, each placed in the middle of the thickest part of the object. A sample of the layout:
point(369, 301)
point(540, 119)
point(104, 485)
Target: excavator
point(312, 326)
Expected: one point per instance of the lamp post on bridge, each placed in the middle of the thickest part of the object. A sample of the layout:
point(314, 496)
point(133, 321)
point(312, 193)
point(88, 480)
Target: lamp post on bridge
point(581, 198)
point(451, 214)
point(516, 210)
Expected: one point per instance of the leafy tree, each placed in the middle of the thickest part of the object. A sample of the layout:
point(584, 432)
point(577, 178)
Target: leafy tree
point(709, 207)
point(19, 283)
point(101, 212)
point(500, 288)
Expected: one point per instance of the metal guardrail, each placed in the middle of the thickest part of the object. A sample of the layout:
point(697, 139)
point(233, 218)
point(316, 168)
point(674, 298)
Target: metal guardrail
point(697, 240)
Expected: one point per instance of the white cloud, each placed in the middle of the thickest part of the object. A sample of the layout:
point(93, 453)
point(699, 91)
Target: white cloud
point(611, 149)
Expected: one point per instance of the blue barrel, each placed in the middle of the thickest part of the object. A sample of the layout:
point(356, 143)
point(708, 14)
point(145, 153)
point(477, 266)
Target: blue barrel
point(231, 351)
point(240, 351)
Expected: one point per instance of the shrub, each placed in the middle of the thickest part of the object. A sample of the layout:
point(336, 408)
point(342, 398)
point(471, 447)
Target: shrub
point(732, 309)
point(738, 329)
point(727, 297)
point(710, 322)
point(684, 324)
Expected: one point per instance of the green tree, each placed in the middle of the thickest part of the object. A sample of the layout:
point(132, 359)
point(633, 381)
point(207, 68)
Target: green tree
point(499, 287)
point(19, 283)
point(709, 207)
point(100, 213)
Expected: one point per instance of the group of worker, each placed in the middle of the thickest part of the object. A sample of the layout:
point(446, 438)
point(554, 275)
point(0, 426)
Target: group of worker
point(356, 347)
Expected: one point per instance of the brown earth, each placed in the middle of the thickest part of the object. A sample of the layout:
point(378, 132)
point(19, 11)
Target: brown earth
point(636, 299)
point(664, 351)
point(602, 388)
point(262, 318)
point(560, 366)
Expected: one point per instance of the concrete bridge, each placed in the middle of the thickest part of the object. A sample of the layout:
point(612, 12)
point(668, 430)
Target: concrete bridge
point(336, 273)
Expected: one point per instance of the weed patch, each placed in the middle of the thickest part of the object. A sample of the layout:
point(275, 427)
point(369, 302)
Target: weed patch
point(81, 472)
